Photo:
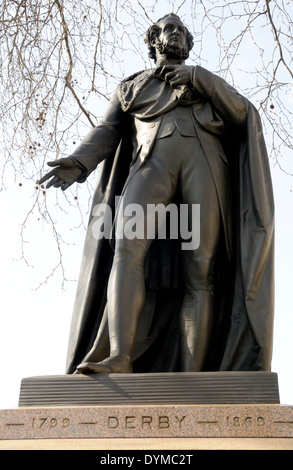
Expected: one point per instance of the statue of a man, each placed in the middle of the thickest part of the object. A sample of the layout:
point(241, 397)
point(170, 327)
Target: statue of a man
point(193, 139)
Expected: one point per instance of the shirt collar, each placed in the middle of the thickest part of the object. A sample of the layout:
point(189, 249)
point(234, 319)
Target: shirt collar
point(165, 61)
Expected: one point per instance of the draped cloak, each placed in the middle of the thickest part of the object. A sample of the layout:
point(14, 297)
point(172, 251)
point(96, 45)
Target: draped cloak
point(244, 278)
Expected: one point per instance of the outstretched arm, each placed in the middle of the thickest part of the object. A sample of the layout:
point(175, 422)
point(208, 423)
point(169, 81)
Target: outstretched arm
point(100, 142)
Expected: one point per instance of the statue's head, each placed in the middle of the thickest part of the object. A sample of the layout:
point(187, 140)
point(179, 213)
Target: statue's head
point(169, 36)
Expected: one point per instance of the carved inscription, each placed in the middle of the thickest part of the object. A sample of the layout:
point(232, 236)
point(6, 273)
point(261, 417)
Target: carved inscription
point(39, 423)
point(131, 421)
point(247, 421)
point(148, 422)
point(145, 422)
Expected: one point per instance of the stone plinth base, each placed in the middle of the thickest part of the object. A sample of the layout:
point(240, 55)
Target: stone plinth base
point(180, 448)
point(149, 411)
point(148, 422)
point(153, 388)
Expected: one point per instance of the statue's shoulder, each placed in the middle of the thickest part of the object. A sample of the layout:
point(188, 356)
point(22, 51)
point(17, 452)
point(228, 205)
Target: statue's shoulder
point(131, 86)
point(137, 76)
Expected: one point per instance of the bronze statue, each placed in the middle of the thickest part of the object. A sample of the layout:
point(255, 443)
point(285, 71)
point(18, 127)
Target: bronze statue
point(175, 134)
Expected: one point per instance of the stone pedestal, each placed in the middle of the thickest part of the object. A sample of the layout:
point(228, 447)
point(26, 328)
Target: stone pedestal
point(149, 411)
point(156, 389)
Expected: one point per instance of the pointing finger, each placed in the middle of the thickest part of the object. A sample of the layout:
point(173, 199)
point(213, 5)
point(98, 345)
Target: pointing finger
point(47, 176)
point(52, 182)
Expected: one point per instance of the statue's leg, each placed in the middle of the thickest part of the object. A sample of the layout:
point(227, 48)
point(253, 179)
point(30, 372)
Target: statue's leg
point(126, 288)
point(197, 313)
point(125, 300)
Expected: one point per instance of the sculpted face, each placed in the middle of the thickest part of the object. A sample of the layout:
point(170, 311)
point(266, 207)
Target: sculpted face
point(172, 33)
point(171, 38)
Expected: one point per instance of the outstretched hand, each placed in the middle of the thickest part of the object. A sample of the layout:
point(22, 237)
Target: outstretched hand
point(64, 174)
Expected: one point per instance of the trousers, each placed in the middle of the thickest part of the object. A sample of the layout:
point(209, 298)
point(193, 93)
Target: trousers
point(177, 165)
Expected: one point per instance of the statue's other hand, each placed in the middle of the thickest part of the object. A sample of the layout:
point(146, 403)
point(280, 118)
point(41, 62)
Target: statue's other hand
point(177, 74)
point(63, 175)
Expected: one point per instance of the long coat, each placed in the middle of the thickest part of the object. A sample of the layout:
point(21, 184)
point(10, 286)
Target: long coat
point(229, 126)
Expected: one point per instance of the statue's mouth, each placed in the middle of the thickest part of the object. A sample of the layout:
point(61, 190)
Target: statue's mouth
point(176, 40)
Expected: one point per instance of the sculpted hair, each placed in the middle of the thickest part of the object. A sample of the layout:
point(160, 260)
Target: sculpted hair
point(154, 31)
